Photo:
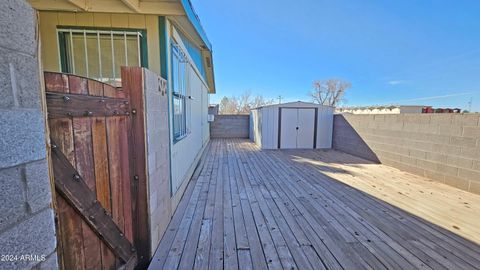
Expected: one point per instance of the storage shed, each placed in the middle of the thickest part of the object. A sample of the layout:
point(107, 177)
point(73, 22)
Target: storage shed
point(300, 125)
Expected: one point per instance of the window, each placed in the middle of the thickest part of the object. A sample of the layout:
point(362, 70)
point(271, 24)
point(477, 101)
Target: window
point(195, 54)
point(179, 92)
point(99, 54)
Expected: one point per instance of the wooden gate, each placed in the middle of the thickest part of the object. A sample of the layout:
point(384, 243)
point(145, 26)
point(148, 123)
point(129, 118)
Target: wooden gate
point(96, 173)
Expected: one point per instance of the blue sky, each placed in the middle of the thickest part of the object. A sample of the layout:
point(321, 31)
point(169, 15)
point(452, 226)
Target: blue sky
point(391, 51)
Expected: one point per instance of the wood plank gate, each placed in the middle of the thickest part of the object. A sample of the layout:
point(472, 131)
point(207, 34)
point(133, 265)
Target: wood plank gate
point(100, 216)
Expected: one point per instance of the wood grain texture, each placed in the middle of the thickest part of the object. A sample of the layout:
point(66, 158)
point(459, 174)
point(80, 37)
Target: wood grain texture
point(69, 222)
point(56, 82)
point(116, 177)
point(93, 165)
point(82, 136)
point(78, 85)
point(95, 88)
point(312, 209)
point(132, 85)
point(68, 105)
point(73, 188)
point(100, 156)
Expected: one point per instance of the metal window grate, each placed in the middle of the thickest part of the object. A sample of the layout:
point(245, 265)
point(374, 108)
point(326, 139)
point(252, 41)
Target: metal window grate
point(99, 54)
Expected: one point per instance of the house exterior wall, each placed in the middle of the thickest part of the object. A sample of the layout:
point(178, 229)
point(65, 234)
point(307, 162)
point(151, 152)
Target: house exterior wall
point(184, 153)
point(383, 110)
point(26, 216)
point(411, 109)
point(442, 147)
point(50, 20)
point(187, 152)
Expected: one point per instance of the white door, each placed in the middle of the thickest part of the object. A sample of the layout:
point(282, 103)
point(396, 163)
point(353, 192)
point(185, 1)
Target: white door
point(288, 129)
point(297, 128)
point(306, 128)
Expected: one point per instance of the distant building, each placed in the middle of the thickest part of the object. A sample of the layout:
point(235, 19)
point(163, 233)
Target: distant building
point(395, 109)
point(213, 109)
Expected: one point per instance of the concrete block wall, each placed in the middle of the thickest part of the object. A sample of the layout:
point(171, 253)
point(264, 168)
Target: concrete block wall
point(230, 126)
point(158, 156)
point(442, 147)
point(27, 228)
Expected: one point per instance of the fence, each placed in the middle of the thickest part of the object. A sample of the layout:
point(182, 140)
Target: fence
point(230, 126)
point(442, 147)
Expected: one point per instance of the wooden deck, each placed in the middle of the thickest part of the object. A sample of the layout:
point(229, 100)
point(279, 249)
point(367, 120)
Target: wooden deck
point(309, 209)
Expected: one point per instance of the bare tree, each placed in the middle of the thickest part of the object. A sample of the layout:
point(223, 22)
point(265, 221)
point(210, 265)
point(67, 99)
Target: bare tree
point(242, 105)
point(259, 101)
point(244, 102)
point(228, 105)
point(329, 92)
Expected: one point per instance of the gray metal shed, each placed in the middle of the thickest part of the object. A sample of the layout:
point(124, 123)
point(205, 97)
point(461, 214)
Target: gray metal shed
point(294, 125)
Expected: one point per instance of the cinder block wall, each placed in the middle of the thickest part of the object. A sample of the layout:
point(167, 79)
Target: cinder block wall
point(158, 157)
point(230, 126)
point(442, 147)
point(26, 216)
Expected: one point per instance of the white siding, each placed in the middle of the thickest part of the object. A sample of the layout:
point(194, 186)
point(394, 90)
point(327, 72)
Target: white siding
point(186, 151)
point(269, 127)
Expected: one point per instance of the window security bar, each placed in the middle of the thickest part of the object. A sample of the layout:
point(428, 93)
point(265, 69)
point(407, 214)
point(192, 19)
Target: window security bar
point(115, 32)
point(179, 51)
point(114, 35)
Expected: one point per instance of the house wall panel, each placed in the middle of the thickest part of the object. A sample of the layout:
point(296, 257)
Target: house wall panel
point(187, 151)
point(442, 147)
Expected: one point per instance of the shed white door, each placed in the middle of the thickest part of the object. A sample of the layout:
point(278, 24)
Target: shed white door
point(297, 128)
point(288, 135)
point(306, 128)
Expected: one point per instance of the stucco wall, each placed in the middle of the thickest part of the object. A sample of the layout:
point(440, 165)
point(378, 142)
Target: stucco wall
point(230, 126)
point(442, 147)
point(26, 216)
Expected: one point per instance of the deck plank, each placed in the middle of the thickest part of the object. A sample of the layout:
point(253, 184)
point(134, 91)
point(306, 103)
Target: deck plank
point(310, 209)
point(405, 223)
point(259, 260)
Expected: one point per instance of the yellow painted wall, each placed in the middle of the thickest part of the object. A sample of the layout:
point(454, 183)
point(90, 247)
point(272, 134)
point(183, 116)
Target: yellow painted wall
point(49, 20)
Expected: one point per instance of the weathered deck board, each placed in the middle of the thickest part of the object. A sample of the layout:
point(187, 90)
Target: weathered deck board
point(310, 209)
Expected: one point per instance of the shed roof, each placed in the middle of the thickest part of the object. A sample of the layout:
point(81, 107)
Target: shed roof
point(294, 104)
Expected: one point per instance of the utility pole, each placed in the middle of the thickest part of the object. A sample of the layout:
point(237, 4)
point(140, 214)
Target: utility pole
point(279, 99)
point(470, 105)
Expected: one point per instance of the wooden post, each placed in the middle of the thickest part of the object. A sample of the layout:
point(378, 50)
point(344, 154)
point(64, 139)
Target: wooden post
point(132, 84)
